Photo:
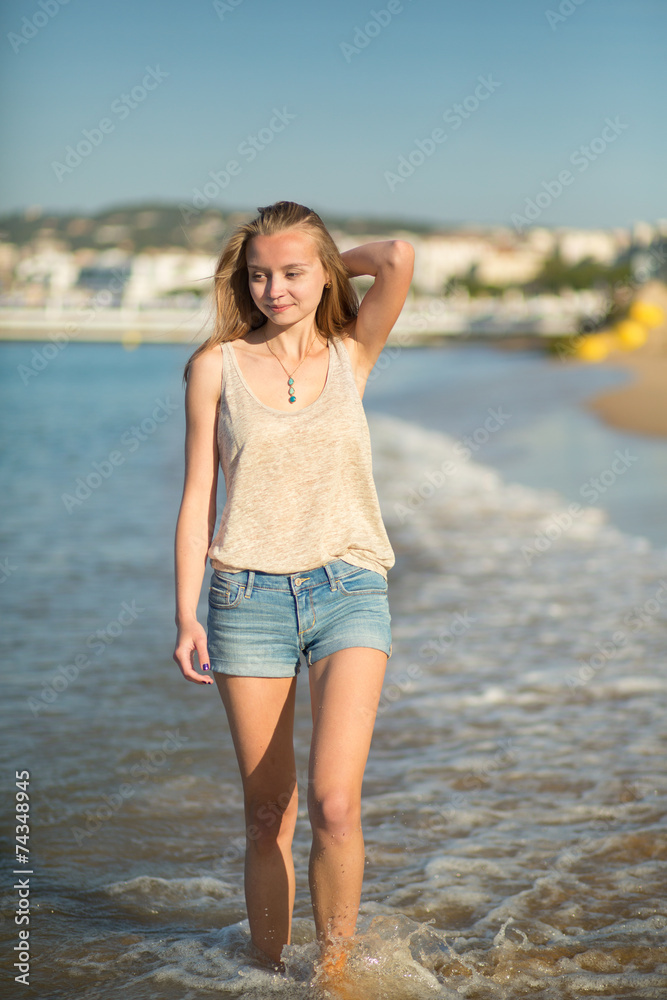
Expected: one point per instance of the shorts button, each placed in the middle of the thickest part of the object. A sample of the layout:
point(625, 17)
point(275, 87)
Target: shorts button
point(298, 580)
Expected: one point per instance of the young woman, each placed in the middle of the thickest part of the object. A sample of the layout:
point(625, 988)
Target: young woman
point(301, 555)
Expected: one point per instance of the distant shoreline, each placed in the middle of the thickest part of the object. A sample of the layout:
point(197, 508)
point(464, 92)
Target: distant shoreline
point(87, 324)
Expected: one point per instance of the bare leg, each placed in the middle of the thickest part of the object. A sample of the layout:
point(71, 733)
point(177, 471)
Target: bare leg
point(260, 711)
point(345, 691)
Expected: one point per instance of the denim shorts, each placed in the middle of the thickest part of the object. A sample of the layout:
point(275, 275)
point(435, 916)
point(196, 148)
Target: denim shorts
point(259, 623)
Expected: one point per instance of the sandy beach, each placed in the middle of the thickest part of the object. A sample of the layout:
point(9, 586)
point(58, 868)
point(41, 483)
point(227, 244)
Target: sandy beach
point(640, 406)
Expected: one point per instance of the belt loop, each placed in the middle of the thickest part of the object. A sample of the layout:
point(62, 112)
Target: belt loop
point(333, 581)
point(251, 580)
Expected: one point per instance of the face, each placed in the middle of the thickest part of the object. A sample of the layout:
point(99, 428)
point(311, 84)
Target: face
point(285, 275)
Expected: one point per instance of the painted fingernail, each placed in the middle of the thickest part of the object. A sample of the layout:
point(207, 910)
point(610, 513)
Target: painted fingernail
point(205, 666)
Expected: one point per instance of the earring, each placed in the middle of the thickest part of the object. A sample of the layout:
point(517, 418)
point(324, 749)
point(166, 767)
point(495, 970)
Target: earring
point(328, 284)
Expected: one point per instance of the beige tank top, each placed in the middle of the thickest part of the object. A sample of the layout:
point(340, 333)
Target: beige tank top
point(300, 489)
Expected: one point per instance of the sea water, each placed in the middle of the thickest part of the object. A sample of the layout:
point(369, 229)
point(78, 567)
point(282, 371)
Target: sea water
point(514, 800)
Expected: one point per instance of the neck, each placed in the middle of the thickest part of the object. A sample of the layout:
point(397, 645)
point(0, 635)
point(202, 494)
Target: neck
point(295, 340)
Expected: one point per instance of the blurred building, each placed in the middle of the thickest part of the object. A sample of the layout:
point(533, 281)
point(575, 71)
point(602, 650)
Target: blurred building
point(157, 274)
point(131, 260)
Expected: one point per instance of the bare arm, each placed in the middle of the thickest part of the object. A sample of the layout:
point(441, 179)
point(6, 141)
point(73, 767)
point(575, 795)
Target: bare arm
point(391, 263)
point(196, 518)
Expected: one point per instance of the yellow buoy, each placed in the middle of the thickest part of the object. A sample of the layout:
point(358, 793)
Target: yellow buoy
point(647, 313)
point(594, 346)
point(630, 334)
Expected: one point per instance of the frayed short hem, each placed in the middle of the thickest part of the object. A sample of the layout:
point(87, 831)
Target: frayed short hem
point(313, 656)
point(238, 670)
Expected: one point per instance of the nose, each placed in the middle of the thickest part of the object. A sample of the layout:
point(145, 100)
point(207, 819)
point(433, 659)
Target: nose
point(275, 286)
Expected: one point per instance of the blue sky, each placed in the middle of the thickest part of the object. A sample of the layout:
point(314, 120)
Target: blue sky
point(351, 105)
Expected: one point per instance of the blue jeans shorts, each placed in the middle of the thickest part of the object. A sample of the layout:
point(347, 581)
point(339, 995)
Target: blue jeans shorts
point(259, 623)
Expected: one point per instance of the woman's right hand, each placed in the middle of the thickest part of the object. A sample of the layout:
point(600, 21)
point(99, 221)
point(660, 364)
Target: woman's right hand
point(192, 639)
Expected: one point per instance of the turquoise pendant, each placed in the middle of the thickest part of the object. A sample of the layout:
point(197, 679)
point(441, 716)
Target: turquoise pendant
point(292, 399)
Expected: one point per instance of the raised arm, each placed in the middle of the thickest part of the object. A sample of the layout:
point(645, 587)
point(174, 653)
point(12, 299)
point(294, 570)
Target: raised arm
point(391, 263)
point(196, 518)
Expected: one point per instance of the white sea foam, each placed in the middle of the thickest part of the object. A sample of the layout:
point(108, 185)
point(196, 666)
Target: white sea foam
point(153, 893)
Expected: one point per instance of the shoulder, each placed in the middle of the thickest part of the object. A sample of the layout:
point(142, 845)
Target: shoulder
point(205, 375)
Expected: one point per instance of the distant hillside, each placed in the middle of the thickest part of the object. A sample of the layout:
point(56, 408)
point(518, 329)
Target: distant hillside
point(152, 225)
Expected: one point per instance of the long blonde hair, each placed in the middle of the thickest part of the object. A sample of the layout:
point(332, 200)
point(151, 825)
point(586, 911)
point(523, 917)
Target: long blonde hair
point(235, 311)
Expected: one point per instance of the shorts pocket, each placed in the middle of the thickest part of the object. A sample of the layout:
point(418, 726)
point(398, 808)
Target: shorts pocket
point(363, 581)
point(224, 593)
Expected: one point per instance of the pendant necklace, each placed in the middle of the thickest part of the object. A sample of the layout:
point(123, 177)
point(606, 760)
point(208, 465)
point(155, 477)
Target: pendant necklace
point(290, 381)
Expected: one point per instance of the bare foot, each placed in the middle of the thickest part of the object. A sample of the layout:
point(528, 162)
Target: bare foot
point(265, 960)
point(332, 969)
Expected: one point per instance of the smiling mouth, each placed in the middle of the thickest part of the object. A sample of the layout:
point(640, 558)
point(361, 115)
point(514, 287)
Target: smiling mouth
point(279, 308)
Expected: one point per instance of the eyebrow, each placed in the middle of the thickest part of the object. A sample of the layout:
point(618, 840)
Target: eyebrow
point(257, 267)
